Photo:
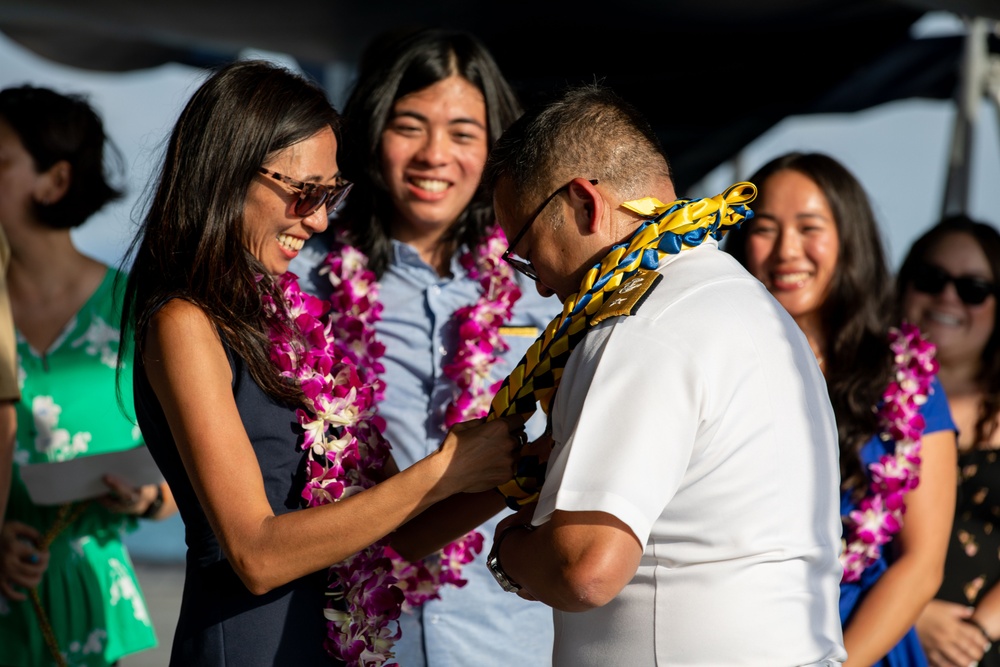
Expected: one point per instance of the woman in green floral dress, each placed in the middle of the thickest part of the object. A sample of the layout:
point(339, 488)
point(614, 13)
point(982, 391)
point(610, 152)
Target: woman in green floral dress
point(68, 591)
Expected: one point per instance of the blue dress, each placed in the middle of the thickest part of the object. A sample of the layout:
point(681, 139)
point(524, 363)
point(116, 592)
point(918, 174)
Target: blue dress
point(221, 622)
point(907, 653)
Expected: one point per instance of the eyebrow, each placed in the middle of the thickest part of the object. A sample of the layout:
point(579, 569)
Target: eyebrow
point(423, 119)
point(798, 216)
point(316, 178)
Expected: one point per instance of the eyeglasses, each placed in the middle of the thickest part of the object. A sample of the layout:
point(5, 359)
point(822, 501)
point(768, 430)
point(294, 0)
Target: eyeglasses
point(313, 195)
point(931, 279)
point(519, 263)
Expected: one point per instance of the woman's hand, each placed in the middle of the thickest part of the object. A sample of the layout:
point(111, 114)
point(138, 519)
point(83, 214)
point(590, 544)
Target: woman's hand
point(948, 640)
point(22, 563)
point(124, 498)
point(482, 455)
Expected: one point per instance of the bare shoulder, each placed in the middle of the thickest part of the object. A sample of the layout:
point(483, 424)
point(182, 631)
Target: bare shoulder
point(181, 334)
point(179, 322)
point(178, 316)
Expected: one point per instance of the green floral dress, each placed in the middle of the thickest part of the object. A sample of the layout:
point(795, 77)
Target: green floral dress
point(69, 408)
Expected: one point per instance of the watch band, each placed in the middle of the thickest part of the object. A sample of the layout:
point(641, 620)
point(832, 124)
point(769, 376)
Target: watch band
point(493, 559)
point(155, 506)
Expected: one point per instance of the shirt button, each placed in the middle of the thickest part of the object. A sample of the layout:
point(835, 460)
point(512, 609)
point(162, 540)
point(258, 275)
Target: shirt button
point(435, 289)
point(435, 618)
point(443, 350)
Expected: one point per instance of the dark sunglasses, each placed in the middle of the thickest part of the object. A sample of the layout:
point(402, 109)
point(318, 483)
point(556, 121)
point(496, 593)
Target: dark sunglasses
point(313, 195)
point(519, 263)
point(931, 279)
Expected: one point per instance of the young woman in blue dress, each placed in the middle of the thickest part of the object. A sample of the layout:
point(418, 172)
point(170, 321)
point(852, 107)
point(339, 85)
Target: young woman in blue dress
point(814, 243)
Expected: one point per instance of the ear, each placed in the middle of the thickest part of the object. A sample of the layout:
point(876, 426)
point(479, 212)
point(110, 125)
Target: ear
point(53, 183)
point(589, 206)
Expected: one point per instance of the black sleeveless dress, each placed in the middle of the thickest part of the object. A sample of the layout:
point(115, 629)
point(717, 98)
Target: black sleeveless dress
point(221, 622)
point(973, 564)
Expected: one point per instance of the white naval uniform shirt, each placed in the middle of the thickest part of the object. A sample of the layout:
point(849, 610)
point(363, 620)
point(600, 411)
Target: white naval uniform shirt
point(703, 423)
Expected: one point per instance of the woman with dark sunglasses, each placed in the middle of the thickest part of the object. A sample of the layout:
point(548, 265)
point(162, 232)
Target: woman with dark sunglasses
point(453, 318)
point(262, 420)
point(947, 285)
point(814, 243)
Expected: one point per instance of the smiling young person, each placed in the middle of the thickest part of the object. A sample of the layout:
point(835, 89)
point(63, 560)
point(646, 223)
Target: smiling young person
point(947, 286)
point(259, 418)
point(450, 319)
point(813, 242)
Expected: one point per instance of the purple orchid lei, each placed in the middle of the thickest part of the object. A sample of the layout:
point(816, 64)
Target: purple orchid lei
point(342, 434)
point(480, 342)
point(355, 310)
point(880, 513)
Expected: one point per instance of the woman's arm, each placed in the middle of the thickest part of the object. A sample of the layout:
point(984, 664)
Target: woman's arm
point(894, 602)
point(455, 516)
point(189, 371)
point(445, 522)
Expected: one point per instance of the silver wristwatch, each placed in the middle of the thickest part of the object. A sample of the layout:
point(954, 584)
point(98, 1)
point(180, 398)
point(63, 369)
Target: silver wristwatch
point(493, 560)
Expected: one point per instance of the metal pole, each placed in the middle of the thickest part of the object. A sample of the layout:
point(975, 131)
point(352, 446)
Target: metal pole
point(968, 100)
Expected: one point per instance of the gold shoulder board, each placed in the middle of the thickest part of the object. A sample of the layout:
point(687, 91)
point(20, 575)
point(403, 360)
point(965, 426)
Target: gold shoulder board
point(629, 296)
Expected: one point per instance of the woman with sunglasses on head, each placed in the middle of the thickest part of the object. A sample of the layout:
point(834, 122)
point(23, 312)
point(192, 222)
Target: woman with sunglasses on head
point(261, 420)
point(947, 286)
point(814, 243)
point(68, 591)
point(449, 313)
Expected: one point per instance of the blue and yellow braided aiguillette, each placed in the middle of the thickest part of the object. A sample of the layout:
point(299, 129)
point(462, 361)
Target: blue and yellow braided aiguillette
point(674, 227)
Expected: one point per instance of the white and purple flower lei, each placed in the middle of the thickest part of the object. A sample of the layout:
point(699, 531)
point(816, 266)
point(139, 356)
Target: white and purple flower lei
point(879, 515)
point(354, 312)
point(346, 454)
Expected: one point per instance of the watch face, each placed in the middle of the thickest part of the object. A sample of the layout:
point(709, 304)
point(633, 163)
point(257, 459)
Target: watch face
point(493, 564)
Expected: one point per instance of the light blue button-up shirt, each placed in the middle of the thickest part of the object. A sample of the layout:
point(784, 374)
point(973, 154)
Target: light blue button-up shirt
point(478, 624)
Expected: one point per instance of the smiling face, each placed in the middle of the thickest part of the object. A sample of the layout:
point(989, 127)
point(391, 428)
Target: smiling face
point(960, 330)
point(433, 150)
point(272, 231)
point(793, 243)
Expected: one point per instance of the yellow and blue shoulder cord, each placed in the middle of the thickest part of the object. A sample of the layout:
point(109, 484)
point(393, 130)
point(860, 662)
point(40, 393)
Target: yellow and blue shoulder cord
point(674, 227)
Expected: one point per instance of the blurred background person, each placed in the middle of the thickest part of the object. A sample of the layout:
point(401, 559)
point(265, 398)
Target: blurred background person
point(947, 286)
point(814, 243)
point(65, 310)
point(419, 124)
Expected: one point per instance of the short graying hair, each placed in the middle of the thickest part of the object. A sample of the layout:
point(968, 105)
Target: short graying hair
point(588, 132)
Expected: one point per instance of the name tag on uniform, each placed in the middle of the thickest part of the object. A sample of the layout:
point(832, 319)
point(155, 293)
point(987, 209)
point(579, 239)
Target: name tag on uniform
point(529, 332)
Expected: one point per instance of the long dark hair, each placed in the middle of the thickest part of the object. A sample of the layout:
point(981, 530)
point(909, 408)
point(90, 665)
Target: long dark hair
point(989, 371)
point(53, 127)
point(191, 242)
point(392, 67)
point(857, 310)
